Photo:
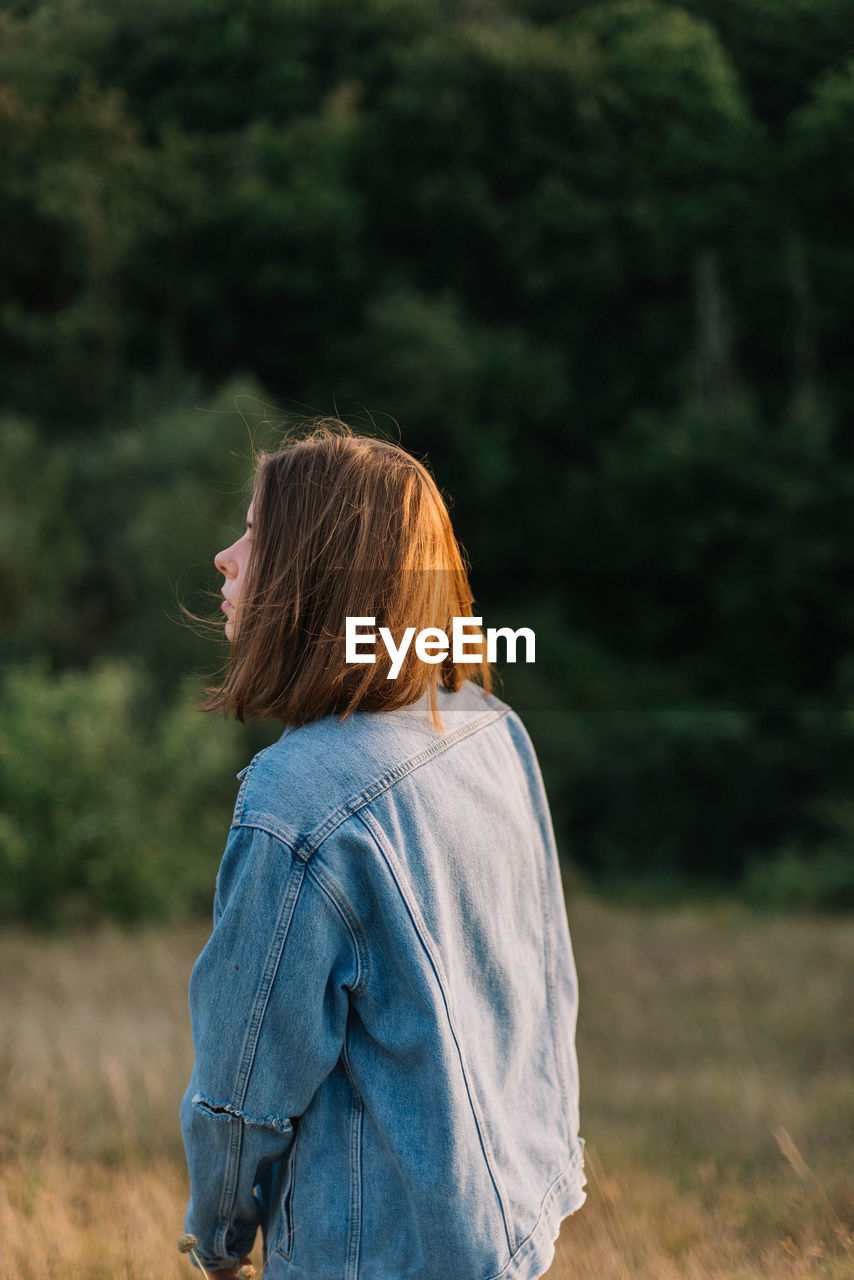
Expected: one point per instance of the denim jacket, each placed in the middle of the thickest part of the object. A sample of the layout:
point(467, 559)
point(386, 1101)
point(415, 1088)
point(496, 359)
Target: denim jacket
point(385, 1076)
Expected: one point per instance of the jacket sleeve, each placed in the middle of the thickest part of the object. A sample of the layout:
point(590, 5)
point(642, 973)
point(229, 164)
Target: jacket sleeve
point(268, 1006)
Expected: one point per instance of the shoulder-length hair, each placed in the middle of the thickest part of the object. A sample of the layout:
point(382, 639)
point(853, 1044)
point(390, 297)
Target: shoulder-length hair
point(344, 526)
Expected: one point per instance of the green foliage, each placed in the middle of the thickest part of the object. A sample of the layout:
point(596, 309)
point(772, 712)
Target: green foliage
point(594, 162)
point(648, 779)
point(103, 539)
point(108, 809)
point(779, 51)
point(816, 874)
point(190, 185)
point(725, 536)
point(467, 392)
point(818, 170)
point(810, 879)
point(278, 251)
point(593, 258)
point(41, 552)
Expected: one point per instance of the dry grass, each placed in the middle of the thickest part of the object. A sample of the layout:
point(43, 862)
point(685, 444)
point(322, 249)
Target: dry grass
point(95, 1056)
point(716, 1051)
point(717, 1061)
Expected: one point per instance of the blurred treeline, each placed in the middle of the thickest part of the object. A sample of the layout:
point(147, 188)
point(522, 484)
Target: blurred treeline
point(594, 258)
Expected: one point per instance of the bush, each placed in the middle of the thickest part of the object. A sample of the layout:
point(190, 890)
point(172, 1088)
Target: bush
point(109, 808)
point(819, 879)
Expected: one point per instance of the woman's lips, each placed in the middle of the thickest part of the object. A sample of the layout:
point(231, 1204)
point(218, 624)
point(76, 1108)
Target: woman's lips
point(226, 605)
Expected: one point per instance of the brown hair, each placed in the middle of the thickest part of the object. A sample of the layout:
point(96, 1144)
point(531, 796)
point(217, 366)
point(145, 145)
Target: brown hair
point(344, 526)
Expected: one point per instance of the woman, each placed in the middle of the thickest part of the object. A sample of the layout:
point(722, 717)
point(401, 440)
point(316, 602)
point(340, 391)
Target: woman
point(385, 1075)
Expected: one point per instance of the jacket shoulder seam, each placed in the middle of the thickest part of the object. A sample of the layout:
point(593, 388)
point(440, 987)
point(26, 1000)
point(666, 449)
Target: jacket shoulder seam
point(308, 845)
point(266, 822)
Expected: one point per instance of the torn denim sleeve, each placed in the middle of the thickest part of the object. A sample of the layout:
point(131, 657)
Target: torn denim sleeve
point(228, 1152)
point(268, 1005)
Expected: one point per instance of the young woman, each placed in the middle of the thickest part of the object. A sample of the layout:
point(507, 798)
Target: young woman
point(385, 1077)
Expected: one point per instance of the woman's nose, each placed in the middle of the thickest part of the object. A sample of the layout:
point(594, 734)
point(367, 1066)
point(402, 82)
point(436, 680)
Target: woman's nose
point(224, 562)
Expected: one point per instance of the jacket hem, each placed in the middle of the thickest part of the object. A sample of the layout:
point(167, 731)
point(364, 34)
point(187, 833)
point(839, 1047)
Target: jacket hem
point(536, 1253)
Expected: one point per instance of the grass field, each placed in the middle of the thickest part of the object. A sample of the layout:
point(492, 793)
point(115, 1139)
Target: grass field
point(716, 1051)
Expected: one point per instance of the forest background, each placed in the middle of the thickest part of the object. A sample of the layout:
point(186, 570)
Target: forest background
point(592, 261)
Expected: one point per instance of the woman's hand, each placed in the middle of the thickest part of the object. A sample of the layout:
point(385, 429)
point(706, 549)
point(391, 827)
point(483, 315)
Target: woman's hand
point(231, 1273)
point(243, 1271)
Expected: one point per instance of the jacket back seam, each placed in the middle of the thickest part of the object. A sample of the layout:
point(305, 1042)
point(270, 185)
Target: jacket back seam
point(354, 1235)
point(378, 836)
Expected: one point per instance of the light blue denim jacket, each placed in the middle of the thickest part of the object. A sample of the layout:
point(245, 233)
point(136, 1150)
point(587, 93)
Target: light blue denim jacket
point(385, 1075)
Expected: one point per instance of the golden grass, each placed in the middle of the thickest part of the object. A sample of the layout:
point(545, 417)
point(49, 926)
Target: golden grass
point(717, 1064)
point(716, 1052)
